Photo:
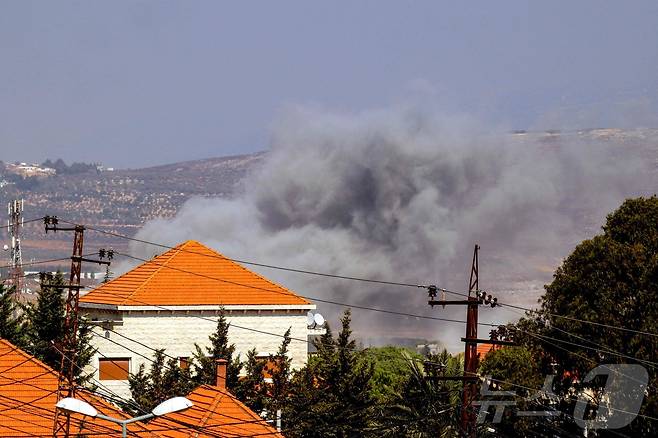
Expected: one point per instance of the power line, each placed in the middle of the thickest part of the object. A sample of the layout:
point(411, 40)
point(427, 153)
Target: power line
point(42, 262)
point(302, 271)
point(24, 222)
point(356, 306)
point(263, 265)
point(368, 308)
point(126, 401)
point(485, 377)
point(602, 349)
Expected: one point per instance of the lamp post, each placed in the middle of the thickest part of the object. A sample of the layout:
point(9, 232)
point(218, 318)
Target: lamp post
point(170, 406)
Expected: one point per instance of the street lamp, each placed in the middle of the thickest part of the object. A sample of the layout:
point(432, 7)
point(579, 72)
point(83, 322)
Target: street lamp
point(172, 405)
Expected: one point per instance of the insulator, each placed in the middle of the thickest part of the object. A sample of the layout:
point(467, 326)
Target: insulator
point(488, 300)
point(431, 291)
point(494, 303)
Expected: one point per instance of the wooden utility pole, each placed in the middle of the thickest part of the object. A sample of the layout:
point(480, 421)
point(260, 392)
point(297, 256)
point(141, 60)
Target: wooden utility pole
point(66, 380)
point(469, 393)
point(475, 297)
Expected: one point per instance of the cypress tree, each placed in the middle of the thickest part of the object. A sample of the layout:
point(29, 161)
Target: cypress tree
point(165, 379)
point(280, 372)
point(11, 319)
point(252, 389)
point(45, 329)
point(205, 362)
point(332, 396)
point(46, 321)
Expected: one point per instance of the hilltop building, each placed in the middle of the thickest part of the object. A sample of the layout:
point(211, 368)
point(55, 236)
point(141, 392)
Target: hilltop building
point(173, 301)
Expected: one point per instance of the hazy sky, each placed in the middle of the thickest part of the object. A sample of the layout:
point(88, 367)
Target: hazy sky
point(136, 83)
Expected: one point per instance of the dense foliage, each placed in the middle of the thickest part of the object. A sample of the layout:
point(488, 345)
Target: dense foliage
point(600, 308)
point(205, 362)
point(11, 320)
point(38, 328)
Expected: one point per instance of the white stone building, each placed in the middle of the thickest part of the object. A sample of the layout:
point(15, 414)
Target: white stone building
point(172, 302)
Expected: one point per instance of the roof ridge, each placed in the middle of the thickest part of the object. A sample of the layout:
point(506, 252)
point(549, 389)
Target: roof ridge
point(218, 280)
point(175, 251)
point(267, 280)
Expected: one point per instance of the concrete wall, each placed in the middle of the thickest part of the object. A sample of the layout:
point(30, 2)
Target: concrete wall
point(178, 331)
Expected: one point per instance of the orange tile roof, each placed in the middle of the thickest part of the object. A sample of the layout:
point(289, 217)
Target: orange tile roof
point(191, 274)
point(216, 412)
point(484, 349)
point(28, 394)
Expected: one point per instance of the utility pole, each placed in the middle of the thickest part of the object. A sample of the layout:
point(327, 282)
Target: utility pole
point(15, 225)
point(66, 379)
point(475, 298)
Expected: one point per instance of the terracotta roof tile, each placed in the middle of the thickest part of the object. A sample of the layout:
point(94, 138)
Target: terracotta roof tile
point(484, 349)
point(28, 394)
point(216, 412)
point(191, 274)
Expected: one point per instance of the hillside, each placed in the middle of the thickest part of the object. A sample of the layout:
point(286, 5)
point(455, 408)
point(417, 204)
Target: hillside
point(118, 200)
point(123, 200)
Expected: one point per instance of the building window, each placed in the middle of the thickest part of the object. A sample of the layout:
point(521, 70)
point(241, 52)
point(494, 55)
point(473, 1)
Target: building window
point(113, 368)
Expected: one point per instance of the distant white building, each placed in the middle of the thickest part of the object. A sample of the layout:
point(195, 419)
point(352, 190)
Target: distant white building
point(28, 170)
point(173, 301)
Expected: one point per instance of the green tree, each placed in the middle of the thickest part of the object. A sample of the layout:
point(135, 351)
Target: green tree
point(279, 390)
point(46, 321)
point(332, 395)
point(390, 370)
point(517, 369)
point(251, 389)
point(164, 380)
point(44, 329)
point(425, 406)
point(205, 363)
point(610, 280)
point(11, 318)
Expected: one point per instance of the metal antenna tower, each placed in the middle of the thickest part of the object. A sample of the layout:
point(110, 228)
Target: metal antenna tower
point(14, 225)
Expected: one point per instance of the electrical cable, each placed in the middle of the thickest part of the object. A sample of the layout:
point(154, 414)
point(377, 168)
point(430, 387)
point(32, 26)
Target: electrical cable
point(23, 222)
point(130, 402)
point(360, 307)
point(356, 306)
point(246, 262)
point(92, 228)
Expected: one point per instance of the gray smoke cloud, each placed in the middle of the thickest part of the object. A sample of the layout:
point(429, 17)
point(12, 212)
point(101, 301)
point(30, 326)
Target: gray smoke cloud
point(403, 194)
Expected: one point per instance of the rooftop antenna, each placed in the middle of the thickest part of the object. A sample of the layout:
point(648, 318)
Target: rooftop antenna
point(15, 225)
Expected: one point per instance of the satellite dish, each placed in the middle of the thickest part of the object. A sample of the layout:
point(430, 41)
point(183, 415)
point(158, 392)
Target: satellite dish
point(319, 319)
point(309, 318)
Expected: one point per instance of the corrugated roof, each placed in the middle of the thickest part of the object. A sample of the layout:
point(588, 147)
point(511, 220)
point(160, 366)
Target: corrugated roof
point(215, 413)
point(28, 394)
point(191, 274)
